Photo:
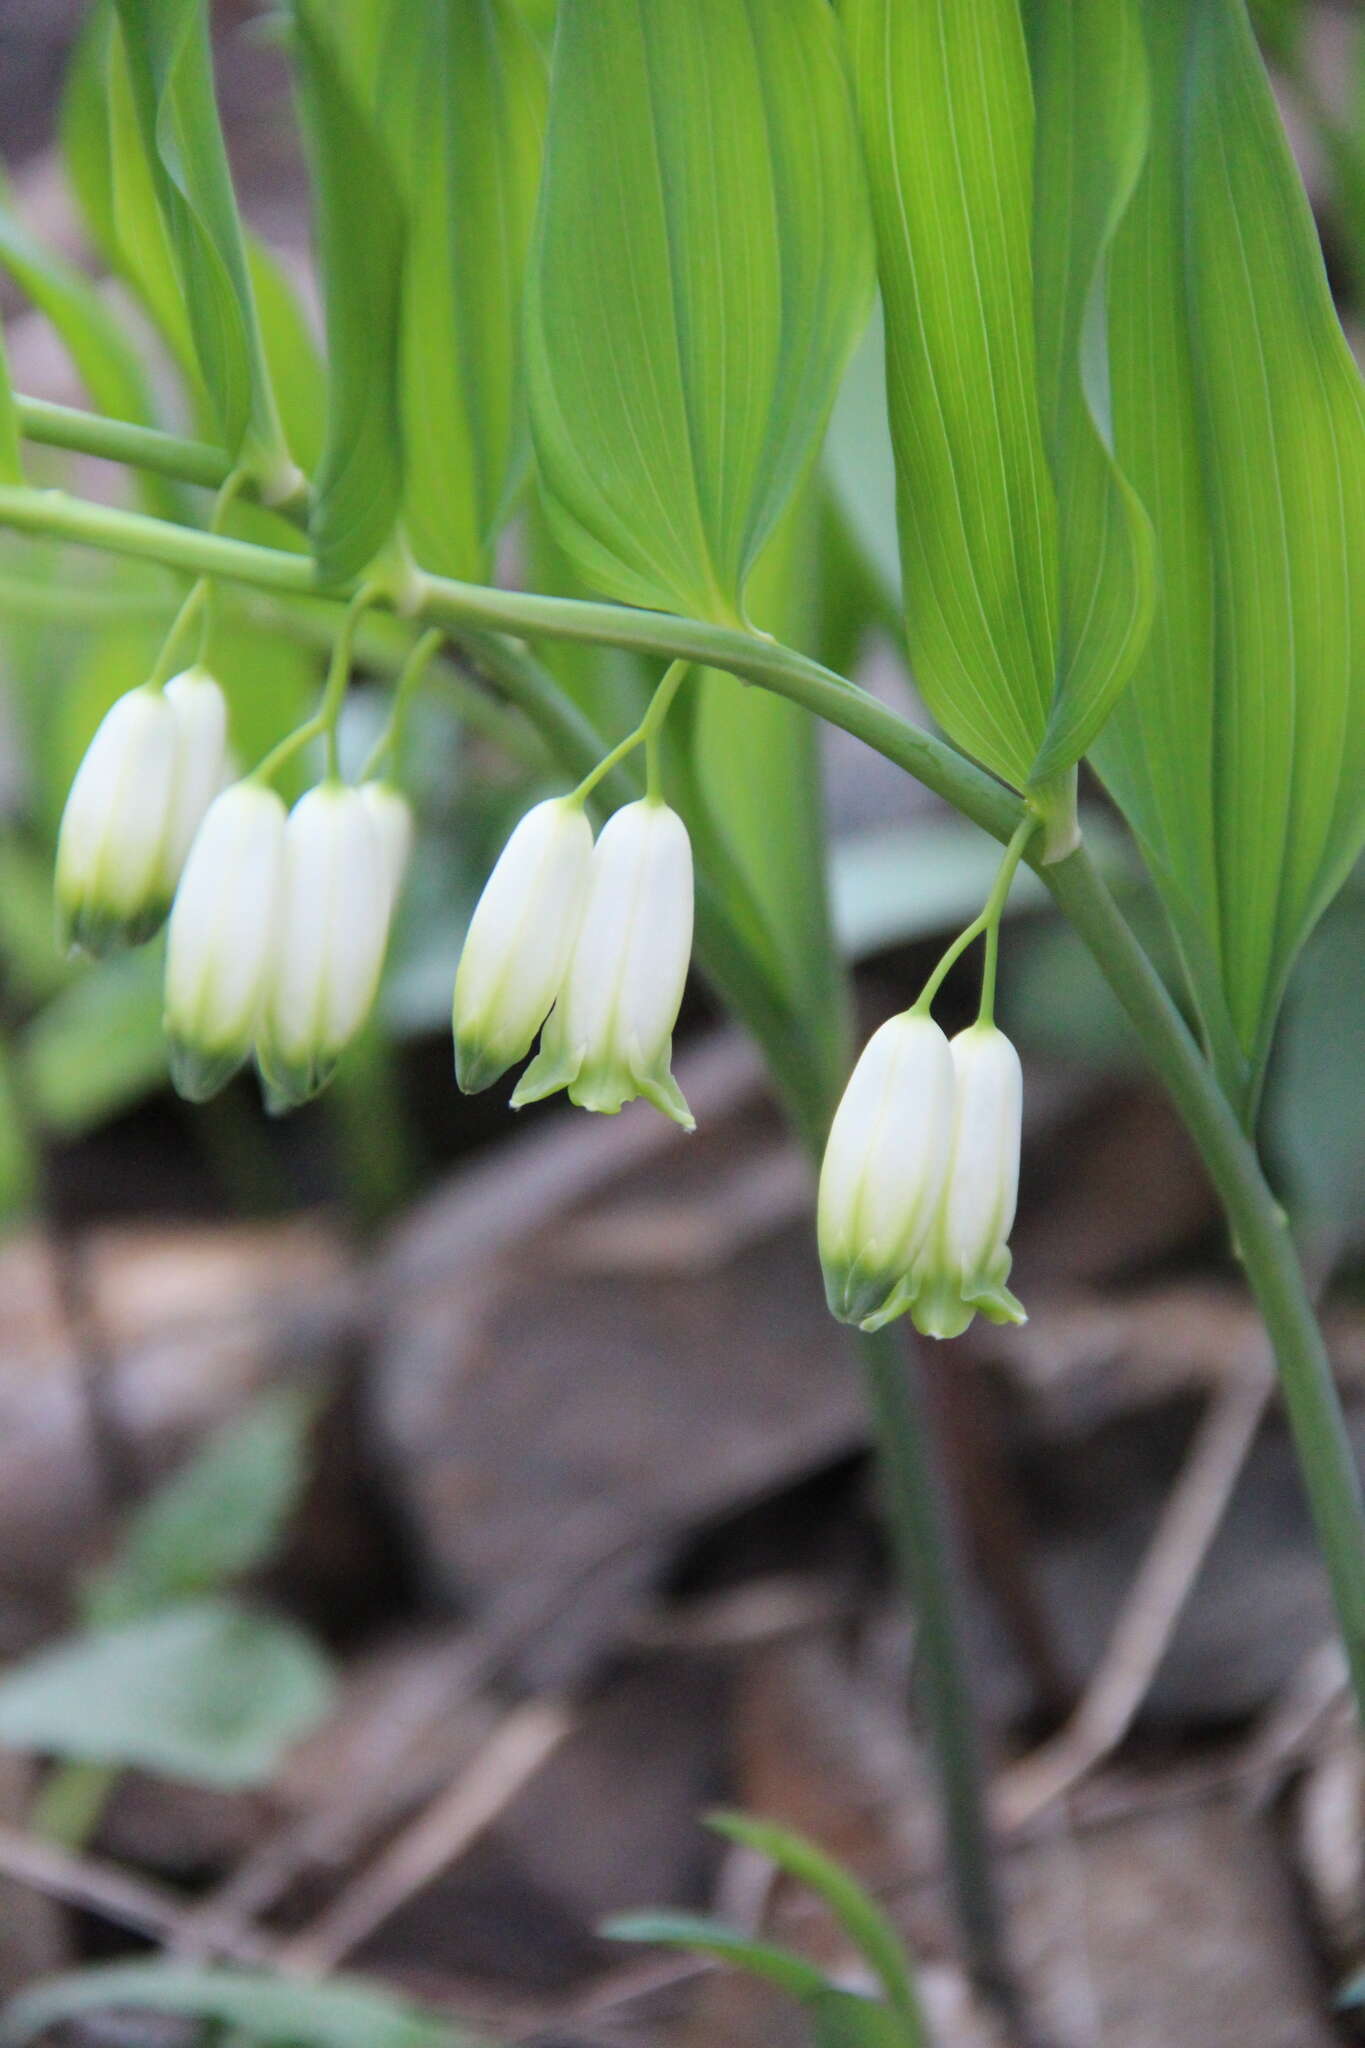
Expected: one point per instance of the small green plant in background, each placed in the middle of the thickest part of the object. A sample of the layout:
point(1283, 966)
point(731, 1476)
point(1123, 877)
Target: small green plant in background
point(839, 2018)
point(170, 1670)
point(612, 302)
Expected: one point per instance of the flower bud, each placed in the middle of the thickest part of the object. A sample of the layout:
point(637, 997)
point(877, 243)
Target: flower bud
point(221, 945)
point(884, 1167)
point(333, 932)
point(392, 815)
point(966, 1261)
point(610, 1035)
point(147, 778)
point(112, 889)
point(519, 941)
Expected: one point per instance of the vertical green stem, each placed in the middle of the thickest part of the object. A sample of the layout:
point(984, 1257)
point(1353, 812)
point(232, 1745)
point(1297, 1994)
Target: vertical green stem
point(1331, 1478)
point(917, 1523)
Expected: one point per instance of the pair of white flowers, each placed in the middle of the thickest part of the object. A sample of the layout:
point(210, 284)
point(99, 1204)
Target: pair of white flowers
point(590, 942)
point(921, 1177)
point(279, 919)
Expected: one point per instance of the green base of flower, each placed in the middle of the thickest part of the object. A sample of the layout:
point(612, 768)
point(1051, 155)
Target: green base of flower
point(605, 1088)
point(288, 1082)
point(101, 931)
point(199, 1072)
point(478, 1065)
point(939, 1304)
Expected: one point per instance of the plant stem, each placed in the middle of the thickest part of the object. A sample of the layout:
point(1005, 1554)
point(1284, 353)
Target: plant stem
point(1264, 1242)
point(917, 1523)
point(473, 611)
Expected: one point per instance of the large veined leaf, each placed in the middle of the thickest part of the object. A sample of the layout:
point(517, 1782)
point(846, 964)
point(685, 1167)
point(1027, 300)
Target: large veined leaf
point(359, 229)
point(1239, 754)
point(701, 273)
point(462, 104)
point(170, 70)
point(1025, 555)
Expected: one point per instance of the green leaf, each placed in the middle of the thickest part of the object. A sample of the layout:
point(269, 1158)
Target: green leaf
point(841, 2019)
point(111, 174)
point(215, 1521)
point(1025, 555)
point(359, 230)
point(105, 359)
point(462, 104)
point(1090, 94)
point(342, 2013)
point(297, 371)
point(1239, 754)
point(862, 1920)
point(97, 1046)
point(18, 1152)
point(702, 271)
point(203, 1691)
point(699, 1936)
point(170, 70)
point(11, 466)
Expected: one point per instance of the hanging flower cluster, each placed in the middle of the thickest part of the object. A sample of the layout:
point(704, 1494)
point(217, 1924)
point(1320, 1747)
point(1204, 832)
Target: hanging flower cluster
point(279, 919)
point(590, 942)
point(920, 1178)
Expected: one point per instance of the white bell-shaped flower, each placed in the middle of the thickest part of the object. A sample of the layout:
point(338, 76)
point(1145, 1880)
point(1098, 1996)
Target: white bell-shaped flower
point(222, 940)
point(519, 941)
point(201, 759)
point(609, 1037)
point(149, 774)
point(333, 933)
point(884, 1168)
point(966, 1260)
point(392, 815)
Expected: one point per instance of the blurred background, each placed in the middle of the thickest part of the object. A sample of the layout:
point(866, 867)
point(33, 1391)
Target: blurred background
point(434, 1513)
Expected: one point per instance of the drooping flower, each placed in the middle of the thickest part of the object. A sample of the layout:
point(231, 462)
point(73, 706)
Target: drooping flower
point(965, 1261)
point(336, 896)
point(519, 941)
point(884, 1167)
point(148, 775)
point(392, 815)
point(609, 1037)
point(222, 942)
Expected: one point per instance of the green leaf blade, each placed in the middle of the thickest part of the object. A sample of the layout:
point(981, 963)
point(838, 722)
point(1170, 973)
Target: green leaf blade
point(1239, 753)
point(170, 70)
point(462, 102)
point(702, 270)
point(1090, 91)
point(203, 1690)
point(360, 235)
point(343, 2013)
point(945, 102)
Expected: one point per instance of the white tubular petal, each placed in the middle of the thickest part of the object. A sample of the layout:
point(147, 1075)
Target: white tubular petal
point(659, 947)
point(333, 931)
point(111, 850)
point(887, 1155)
point(223, 929)
point(630, 964)
point(520, 939)
point(983, 1186)
point(201, 757)
point(392, 815)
